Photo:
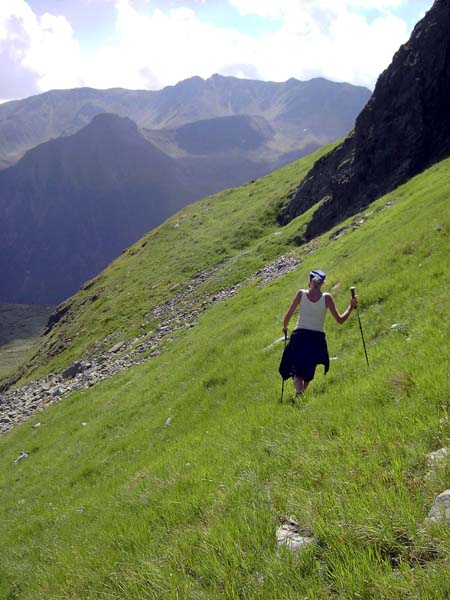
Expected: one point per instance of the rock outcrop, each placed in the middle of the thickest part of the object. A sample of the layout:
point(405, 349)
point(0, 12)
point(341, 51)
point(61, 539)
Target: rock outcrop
point(404, 128)
point(440, 511)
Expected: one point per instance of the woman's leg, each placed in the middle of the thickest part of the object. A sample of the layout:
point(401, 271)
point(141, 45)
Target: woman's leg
point(308, 376)
point(299, 384)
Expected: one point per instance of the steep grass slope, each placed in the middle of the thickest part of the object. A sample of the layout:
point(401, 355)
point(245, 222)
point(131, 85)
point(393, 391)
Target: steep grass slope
point(219, 235)
point(20, 327)
point(169, 480)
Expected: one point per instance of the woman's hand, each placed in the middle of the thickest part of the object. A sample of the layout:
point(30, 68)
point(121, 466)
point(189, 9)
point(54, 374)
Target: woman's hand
point(354, 301)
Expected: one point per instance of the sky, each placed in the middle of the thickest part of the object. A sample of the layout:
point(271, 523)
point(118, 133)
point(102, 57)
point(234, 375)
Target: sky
point(149, 44)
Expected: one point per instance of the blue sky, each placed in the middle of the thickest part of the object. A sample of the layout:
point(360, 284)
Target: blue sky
point(148, 44)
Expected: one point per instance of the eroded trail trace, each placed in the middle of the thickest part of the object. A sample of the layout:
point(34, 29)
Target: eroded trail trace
point(178, 313)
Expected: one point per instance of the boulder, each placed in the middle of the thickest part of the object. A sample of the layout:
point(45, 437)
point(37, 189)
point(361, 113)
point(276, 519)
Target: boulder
point(77, 367)
point(117, 347)
point(292, 536)
point(440, 511)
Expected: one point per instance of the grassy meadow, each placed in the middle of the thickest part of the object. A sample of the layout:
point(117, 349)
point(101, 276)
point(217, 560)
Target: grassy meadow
point(231, 235)
point(170, 479)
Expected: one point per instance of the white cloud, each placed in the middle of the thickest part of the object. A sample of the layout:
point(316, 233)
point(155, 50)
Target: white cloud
point(36, 53)
point(267, 9)
point(282, 9)
point(330, 38)
point(324, 38)
point(9, 9)
point(164, 47)
point(54, 53)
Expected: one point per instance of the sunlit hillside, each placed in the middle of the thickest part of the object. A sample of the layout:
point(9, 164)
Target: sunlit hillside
point(170, 479)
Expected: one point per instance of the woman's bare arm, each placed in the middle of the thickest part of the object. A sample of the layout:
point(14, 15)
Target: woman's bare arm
point(333, 310)
point(291, 310)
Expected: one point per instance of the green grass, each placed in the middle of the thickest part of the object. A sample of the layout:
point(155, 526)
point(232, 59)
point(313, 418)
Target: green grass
point(112, 502)
point(20, 328)
point(237, 225)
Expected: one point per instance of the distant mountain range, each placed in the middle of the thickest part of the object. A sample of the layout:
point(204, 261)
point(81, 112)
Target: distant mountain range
point(87, 172)
point(299, 112)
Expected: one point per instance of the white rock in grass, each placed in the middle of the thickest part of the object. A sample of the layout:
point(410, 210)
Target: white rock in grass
point(288, 535)
point(21, 456)
point(399, 327)
point(437, 459)
point(440, 511)
point(168, 421)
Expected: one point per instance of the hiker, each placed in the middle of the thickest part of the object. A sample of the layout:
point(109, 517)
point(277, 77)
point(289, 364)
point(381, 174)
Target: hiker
point(307, 346)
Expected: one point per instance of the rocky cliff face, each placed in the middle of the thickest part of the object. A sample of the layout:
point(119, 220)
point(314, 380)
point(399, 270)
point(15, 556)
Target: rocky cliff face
point(404, 128)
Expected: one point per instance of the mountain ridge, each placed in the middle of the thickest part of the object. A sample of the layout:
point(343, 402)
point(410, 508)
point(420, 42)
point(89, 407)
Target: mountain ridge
point(205, 155)
point(26, 123)
point(104, 187)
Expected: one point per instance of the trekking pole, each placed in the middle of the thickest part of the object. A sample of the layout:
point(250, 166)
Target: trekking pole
point(282, 381)
point(352, 290)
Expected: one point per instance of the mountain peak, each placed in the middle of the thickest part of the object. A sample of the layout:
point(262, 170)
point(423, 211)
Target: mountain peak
point(196, 80)
point(106, 121)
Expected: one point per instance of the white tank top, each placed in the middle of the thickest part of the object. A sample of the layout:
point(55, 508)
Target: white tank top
point(312, 314)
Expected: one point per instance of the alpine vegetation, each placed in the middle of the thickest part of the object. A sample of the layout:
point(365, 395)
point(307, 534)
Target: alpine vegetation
point(145, 453)
point(172, 477)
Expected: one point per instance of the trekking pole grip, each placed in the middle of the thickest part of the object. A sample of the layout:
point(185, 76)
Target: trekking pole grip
point(353, 293)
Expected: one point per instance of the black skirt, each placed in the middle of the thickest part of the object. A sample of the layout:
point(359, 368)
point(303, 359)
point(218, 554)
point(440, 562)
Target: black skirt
point(305, 350)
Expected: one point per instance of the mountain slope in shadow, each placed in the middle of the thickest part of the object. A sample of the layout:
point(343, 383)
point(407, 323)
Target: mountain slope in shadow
point(73, 204)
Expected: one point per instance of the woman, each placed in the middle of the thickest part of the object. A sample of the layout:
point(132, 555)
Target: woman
point(307, 346)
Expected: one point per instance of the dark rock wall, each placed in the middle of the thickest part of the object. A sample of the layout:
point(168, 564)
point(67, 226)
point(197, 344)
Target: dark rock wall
point(404, 128)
